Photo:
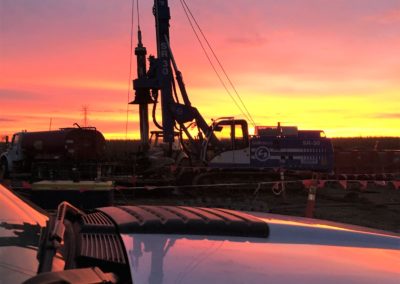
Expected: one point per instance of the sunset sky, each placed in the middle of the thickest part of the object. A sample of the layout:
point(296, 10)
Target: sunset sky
point(318, 64)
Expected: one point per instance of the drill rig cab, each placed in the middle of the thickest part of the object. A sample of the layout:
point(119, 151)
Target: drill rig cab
point(232, 148)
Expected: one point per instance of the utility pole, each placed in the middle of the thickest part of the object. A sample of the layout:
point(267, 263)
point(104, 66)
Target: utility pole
point(85, 115)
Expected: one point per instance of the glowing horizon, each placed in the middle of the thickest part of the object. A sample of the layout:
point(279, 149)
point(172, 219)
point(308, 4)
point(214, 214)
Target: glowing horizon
point(324, 66)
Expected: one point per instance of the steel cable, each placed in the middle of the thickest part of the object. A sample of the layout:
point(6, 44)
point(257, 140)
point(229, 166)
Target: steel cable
point(248, 116)
point(210, 61)
point(130, 68)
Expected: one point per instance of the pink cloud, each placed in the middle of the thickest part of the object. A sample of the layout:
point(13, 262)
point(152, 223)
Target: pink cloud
point(388, 17)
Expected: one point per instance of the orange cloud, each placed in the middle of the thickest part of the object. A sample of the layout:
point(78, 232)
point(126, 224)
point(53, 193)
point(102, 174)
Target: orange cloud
point(318, 65)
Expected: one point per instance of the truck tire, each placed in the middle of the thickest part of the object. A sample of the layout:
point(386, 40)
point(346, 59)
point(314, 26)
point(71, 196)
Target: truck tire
point(3, 169)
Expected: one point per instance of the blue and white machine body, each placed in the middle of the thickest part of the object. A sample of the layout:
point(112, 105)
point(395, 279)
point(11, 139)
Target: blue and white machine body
point(271, 147)
point(307, 151)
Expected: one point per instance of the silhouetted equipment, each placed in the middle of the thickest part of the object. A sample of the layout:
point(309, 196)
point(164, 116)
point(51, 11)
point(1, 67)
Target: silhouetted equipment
point(64, 153)
point(142, 97)
point(225, 143)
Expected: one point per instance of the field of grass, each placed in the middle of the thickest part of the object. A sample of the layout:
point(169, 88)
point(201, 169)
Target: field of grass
point(368, 143)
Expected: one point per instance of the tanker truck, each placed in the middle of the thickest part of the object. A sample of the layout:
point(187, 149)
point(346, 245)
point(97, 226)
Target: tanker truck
point(67, 153)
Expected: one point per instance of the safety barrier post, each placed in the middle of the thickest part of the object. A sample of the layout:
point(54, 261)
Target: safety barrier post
point(312, 192)
point(283, 189)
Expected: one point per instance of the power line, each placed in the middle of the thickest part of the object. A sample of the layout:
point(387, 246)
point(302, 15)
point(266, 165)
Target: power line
point(210, 61)
point(249, 116)
point(130, 69)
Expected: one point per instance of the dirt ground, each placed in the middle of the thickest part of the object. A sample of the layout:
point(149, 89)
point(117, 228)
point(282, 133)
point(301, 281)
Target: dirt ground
point(376, 207)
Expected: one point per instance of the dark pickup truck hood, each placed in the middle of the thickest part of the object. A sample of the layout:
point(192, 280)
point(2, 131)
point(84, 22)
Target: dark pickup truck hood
point(297, 250)
point(20, 227)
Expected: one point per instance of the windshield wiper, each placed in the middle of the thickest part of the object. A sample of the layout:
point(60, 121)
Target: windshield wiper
point(59, 236)
point(53, 237)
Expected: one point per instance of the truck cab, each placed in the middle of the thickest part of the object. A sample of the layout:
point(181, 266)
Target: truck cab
point(12, 155)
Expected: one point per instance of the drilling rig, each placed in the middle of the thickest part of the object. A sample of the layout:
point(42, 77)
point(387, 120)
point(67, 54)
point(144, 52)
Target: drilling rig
point(225, 143)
